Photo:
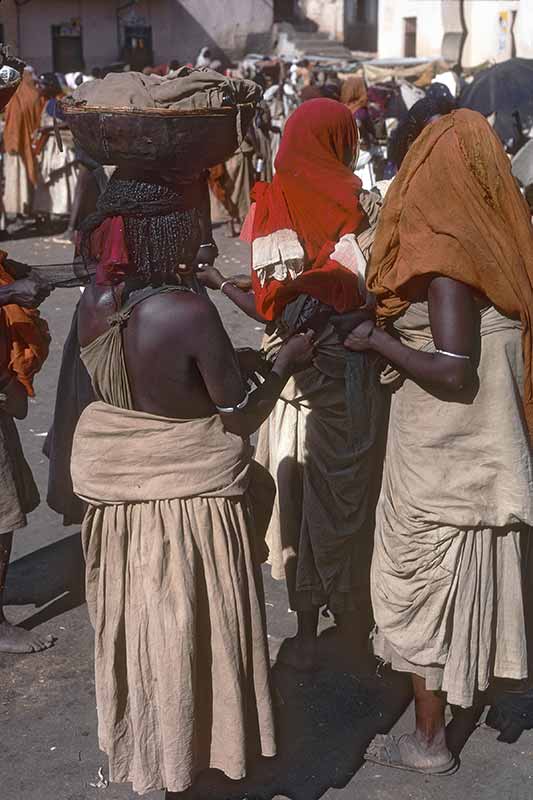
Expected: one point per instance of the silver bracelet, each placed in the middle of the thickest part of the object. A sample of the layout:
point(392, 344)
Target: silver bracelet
point(452, 355)
point(233, 409)
point(224, 283)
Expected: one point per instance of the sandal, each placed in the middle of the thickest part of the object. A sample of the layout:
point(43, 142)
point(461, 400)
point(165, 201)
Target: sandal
point(384, 750)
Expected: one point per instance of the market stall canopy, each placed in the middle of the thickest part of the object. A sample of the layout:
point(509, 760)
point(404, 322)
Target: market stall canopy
point(416, 70)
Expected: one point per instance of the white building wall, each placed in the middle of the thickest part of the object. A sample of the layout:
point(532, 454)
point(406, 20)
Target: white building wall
point(488, 22)
point(489, 31)
point(228, 22)
point(179, 27)
point(328, 15)
point(523, 30)
point(430, 30)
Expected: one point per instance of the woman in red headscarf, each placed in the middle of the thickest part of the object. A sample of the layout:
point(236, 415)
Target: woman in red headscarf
point(310, 238)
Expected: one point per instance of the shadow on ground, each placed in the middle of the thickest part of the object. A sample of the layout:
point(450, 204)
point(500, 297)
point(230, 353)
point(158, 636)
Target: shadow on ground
point(325, 722)
point(31, 229)
point(52, 579)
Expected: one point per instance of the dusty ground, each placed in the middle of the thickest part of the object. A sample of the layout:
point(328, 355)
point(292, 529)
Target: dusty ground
point(48, 738)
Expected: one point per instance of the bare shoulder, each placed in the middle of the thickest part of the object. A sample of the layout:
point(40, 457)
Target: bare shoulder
point(175, 309)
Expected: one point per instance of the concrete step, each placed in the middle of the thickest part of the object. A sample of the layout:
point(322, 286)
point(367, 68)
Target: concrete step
point(318, 36)
point(298, 44)
point(336, 50)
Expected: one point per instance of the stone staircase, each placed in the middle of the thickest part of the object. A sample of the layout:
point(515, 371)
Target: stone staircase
point(293, 42)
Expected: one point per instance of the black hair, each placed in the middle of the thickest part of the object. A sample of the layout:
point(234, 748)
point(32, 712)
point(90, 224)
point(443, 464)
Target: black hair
point(174, 65)
point(161, 232)
point(50, 82)
point(410, 127)
point(442, 97)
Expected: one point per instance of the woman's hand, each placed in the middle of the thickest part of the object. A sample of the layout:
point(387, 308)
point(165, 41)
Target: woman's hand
point(345, 323)
point(210, 277)
point(358, 340)
point(296, 354)
point(252, 363)
point(27, 292)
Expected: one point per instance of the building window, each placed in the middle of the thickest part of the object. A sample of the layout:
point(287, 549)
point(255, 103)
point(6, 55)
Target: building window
point(409, 42)
point(67, 47)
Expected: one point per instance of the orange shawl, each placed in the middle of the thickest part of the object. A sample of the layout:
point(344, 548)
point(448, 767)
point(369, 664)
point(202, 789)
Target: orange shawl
point(22, 118)
point(455, 209)
point(354, 94)
point(27, 335)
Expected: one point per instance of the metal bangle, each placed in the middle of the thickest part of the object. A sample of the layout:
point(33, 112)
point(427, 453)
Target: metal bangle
point(452, 355)
point(232, 409)
point(224, 283)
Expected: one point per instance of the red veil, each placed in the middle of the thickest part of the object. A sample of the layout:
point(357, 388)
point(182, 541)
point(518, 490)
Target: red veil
point(304, 221)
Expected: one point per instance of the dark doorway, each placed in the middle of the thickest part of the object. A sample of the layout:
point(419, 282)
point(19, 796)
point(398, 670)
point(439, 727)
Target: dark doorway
point(284, 10)
point(67, 48)
point(361, 25)
point(409, 42)
point(138, 51)
point(513, 38)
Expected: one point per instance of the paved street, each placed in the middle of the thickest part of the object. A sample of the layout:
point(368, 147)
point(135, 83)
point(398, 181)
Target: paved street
point(48, 736)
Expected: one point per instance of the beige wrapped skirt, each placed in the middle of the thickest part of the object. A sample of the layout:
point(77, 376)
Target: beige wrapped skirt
point(182, 666)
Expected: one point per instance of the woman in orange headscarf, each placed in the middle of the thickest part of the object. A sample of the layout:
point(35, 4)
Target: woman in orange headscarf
point(307, 264)
point(355, 97)
point(22, 119)
point(452, 270)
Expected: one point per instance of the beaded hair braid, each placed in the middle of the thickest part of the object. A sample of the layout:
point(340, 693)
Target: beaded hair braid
point(156, 242)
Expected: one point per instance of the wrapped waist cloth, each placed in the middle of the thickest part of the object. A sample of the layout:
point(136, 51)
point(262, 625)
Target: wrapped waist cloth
point(122, 456)
point(174, 592)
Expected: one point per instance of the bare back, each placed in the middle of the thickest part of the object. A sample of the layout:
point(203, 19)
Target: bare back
point(179, 359)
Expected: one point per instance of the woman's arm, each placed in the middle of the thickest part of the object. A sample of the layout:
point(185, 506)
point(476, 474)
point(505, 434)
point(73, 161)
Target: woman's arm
point(27, 292)
point(452, 316)
point(245, 300)
point(218, 364)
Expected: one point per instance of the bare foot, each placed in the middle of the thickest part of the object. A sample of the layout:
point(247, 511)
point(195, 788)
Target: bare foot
point(299, 653)
point(17, 640)
point(410, 753)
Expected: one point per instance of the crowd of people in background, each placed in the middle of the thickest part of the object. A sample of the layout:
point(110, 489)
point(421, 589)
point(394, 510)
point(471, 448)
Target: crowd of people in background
point(45, 181)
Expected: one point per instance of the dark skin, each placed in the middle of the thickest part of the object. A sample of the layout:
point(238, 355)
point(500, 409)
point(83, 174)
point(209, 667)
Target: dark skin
point(453, 314)
point(28, 292)
point(201, 371)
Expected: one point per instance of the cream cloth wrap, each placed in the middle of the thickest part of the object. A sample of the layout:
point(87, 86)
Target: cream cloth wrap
point(457, 491)
point(174, 594)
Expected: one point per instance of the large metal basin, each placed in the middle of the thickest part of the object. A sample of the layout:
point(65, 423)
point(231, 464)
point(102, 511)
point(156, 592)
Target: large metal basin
point(186, 142)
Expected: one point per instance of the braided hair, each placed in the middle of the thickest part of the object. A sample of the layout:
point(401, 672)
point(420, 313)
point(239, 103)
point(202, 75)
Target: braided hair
point(161, 226)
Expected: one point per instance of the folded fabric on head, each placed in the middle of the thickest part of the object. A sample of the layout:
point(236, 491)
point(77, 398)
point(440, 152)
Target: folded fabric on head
point(187, 89)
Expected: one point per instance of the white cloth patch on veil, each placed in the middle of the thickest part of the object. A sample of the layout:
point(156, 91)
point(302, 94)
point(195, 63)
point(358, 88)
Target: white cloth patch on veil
point(349, 255)
point(278, 255)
